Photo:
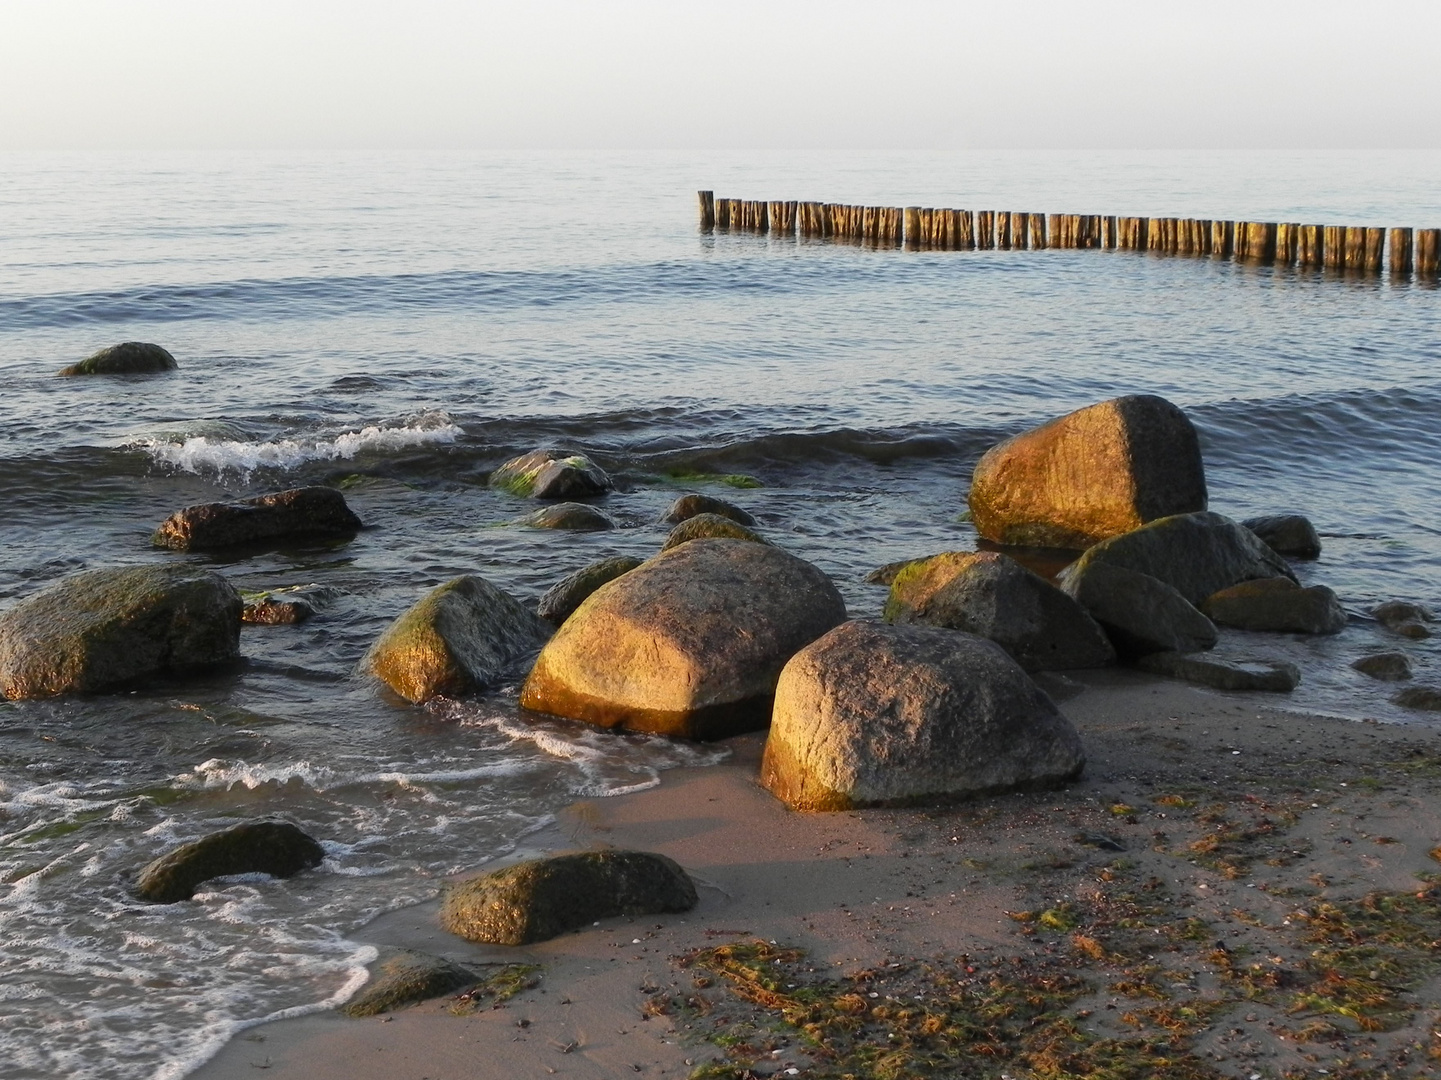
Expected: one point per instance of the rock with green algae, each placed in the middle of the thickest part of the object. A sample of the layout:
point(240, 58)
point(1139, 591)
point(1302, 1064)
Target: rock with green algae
point(277, 848)
point(461, 636)
point(284, 515)
point(570, 516)
point(886, 575)
point(709, 526)
point(562, 598)
point(100, 629)
point(127, 358)
point(405, 977)
point(551, 474)
point(540, 899)
point(688, 506)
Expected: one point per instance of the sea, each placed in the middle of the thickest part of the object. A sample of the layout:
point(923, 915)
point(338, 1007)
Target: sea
point(399, 324)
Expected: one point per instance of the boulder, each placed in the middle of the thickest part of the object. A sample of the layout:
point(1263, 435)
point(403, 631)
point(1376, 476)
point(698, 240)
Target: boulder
point(1287, 534)
point(540, 899)
point(689, 644)
point(688, 506)
point(712, 526)
point(1404, 618)
point(461, 636)
point(405, 977)
point(1223, 674)
point(576, 517)
point(1195, 554)
point(312, 512)
point(886, 575)
point(1276, 604)
point(101, 629)
point(562, 598)
point(1424, 698)
point(276, 848)
point(127, 358)
point(269, 611)
point(1385, 666)
point(878, 715)
point(1139, 613)
point(1090, 475)
point(551, 474)
point(995, 597)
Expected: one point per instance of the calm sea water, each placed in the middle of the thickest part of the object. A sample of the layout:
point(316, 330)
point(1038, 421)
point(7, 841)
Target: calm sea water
point(402, 324)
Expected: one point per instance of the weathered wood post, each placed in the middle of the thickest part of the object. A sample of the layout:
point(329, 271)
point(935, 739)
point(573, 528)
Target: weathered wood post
point(1355, 247)
point(1286, 242)
point(1108, 232)
point(1310, 245)
point(985, 229)
point(913, 228)
point(1334, 245)
point(966, 220)
point(1020, 231)
point(1003, 230)
point(1428, 253)
point(1401, 245)
point(707, 210)
point(1036, 226)
point(1372, 248)
point(1223, 238)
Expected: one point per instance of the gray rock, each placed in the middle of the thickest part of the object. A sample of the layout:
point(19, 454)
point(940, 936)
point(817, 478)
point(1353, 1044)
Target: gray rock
point(1287, 534)
point(562, 598)
point(878, 715)
point(540, 899)
point(709, 526)
point(127, 358)
point(1196, 554)
point(276, 848)
point(995, 597)
point(1385, 666)
point(1404, 618)
point(688, 506)
point(1223, 674)
point(406, 977)
point(462, 636)
point(1424, 698)
point(286, 515)
point(575, 517)
point(551, 474)
point(886, 575)
point(1278, 605)
point(1139, 613)
point(100, 629)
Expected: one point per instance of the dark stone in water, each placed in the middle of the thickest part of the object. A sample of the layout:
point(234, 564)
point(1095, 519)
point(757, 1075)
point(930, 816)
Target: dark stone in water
point(127, 358)
point(709, 526)
point(571, 516)
point(1287, 534)
point(1223, 674)
point(285, 515)
point(1427, 698)
point(562, 598)
point(273, 612)
point(551, 474)
point(1278, 605)
point(1404, 618)
point(1386, 666)
point(276, 848)
point(688, 506)
point(404, 978)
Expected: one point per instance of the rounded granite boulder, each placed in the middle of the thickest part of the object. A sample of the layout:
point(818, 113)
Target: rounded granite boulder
point(562, 598)
point(300, 513)
point(688, 506)
point(551, 474)
point(277, 848)
point(712, 526)
point(127, 358)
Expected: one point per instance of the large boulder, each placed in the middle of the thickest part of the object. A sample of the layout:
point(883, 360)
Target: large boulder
point(709, 526)
point(540, 899)
point(276, 848)
point(1092, 474)
point(571, 516)
point(1139, 613)
point(459, 637)
point(688, 506)
point(100, 629)
point(1287, 534)
point(311, 512)
point(992, 595)
point(689, 644)
point(1195, 554)
point(877, 715)
point(551, 474)
point(127, 358)
point(562, 598)
point(1276, 604)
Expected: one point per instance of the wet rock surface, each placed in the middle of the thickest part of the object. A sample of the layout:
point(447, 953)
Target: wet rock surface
point(1139, 613)
point(688, 506)
point(572, 516)
point(127, 358)
point(276, 848)
point(1287, 534)
point(405, 977)
point(562, 598)
point(1222, 674)
point(1278, 605)
point(710, 526)
point(551, 474)
point(300, 513)
point(1386, 666)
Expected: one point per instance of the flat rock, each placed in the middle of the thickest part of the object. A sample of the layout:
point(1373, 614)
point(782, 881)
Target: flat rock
point(127, 358)
point(688, 506)
point(101, 629)
point(406, 977)
point(1287, 534)
point(462, 636)
point(276, 848)
point(1278, 605)
point(311, 512)
point(1223, 674)
point(1424, 698)
point(1090, 475)
point(1139, 613)
point(689, 644)
point(1385, 666)
point(878, 715)
point(576, 517)
point(709, 526)
point(540, 899)
point(562, 598)
point(991, 595)
point(551, 474)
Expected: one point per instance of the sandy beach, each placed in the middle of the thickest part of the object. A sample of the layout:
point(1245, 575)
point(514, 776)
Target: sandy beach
point(1189, 886)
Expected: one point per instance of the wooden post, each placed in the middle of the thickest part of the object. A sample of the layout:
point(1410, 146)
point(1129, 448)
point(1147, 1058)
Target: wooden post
point(1003, 230)
point(1287, 242)
point(1036, 225)
point(1428, 252)
point(1256, 241)
point(1401, 244)
point(762, 218)
point(707, 210)
point(1183, 236)
point(966, 221)
point(1334, 245)
point(1310, 245)
point(1355, 257)
point(1223, 238)
point(1372, 247)
point(1108, 232)
point(1057, 230)
point(913, 228)
point(985, 229)
point(1020, 231)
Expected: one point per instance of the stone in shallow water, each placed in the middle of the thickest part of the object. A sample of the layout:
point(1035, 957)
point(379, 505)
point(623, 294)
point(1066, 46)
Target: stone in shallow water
point(562, 598)
point(406, 977)
point(1404, 618)
point(1386, 666)
point(1223, 674)
point(1287, 534)
point(551, 474)
point(688, 506)
point(285, 515)
point(1277, 605)
point(276, 848)
point(127, 358)
point(572, 516)
point(1426, 698)
point(273, 612)
point(1139, 613)
point(709, 526)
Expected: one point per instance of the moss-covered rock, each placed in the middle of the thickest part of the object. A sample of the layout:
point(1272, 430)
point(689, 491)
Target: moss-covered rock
point(461, 636)
point(276, 848)
point(562, 598)
point(104, 628)
point(127, 358)
point(1287, 534)
point(406, 977)
point(551, 474)
point(886, 575)
point(571, 516)
point(1276, 604)
point(709, 526)
point(285, 515)
point(688, 506)
point(537, 900)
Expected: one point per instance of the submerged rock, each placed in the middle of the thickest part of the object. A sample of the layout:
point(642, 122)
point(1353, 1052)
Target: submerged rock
point(1425, 698)
point(877, 715)
point(461, 636)
point(276, 848)
point(576, 517)
point(1386, 666)
point(1404, 618)
point(127, 358)
point(1277, 604)
point(689, 644)
point(1090, 475)
point(101, 629)
point(551, 474)
point(537, 900)
point(1139, 613)
point(712, 526)
point(270, 611)
point(404, 978)
point(688, 506)
point(1223, 674)
point(992, 595)
point(1287, 534)
point(562, 598)
point(285, 515)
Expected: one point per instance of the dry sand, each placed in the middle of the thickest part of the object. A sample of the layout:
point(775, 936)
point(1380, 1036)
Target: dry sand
point(1226, 812)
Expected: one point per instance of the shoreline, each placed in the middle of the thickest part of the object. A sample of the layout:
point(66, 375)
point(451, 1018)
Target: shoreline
point(1349, 807)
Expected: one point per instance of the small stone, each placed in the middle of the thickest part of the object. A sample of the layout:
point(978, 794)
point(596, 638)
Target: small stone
point(276, 848)
point(1278, 605)
point(886, 575)
point(1407, 619)
point(709, 526)
point(404, 978)
point(562, 598)
point(1287, 534)
point(1223, 674)
point(1386, 666)
point(551, 474)
point(573, 516)
point(1140, 613)
point(272, 612)
point(1426, 698)
point(688, 506)
point(127, 358)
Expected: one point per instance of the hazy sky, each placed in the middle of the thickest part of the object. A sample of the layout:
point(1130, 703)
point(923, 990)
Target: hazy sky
point(734, 74)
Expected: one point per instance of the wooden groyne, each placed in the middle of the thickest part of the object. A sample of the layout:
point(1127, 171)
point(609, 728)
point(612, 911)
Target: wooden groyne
point(1403, 252)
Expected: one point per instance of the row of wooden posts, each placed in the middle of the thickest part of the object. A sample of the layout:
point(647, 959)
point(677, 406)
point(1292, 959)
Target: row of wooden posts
point(1344, 247)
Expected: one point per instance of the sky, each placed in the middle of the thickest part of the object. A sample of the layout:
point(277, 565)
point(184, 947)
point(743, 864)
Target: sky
point(633, 74)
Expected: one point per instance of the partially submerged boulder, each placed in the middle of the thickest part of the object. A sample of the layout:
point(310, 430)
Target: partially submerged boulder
point(878, 715)
point(1404, 618)
point(277, 848)
point(1423, 698)
point(1224, 674)
point(1196, 554)
point(540, 899)
point(995, 597)
point(461, 636)
point(562, 598)
point(572, 516)
point(1092, 474)
point(406, 977)
point(688, 506)
point(1287, 534)
point(274, 611)
point(300, 513)
point(1278, 605)
point(1385, 666)
point(101, 629)
point(551, 474)
point(713, 526)
point(127, 358)
point(689, 644)
point(1139, 613)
